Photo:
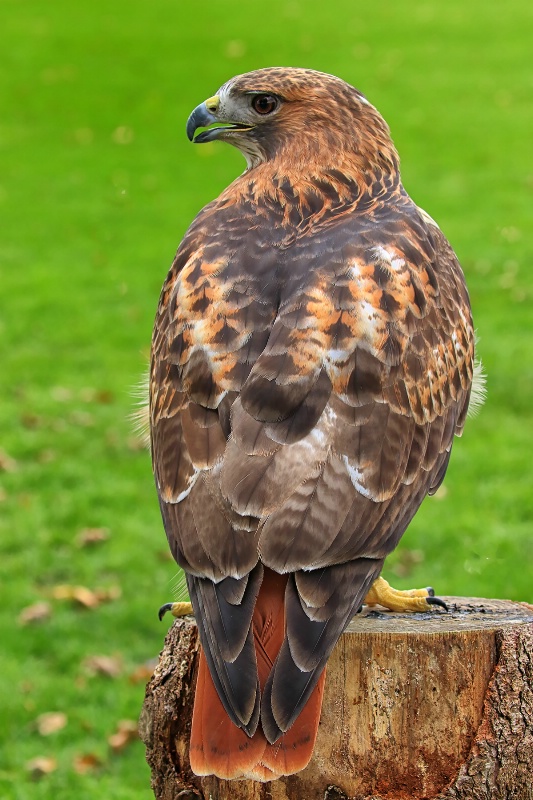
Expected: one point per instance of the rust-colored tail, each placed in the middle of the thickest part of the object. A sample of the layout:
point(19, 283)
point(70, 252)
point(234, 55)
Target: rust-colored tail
point(218, 747)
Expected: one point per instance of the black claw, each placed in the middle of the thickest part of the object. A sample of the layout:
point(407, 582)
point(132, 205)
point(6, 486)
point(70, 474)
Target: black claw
point(436, 601)
point(431, 591)
point(163, 610)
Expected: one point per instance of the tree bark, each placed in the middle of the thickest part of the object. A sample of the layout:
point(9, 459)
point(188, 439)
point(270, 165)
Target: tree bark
point(435, 706)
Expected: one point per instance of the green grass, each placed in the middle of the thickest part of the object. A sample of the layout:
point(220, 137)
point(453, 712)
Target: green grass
point(97, 185)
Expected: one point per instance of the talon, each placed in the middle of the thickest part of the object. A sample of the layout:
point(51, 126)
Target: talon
point(163, 610)
point(436, 601)
point(381, 593)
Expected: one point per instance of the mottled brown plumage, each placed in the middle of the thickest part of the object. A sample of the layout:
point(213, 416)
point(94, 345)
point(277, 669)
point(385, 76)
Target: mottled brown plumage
point(312, 359)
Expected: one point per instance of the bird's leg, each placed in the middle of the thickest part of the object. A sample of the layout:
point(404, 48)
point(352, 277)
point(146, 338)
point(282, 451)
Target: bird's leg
point(176, 609)
point(397, 600)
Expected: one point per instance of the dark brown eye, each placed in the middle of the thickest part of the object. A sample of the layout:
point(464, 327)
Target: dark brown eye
point(264, 103)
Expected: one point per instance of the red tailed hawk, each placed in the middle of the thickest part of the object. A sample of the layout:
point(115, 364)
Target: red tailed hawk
point(312, 360)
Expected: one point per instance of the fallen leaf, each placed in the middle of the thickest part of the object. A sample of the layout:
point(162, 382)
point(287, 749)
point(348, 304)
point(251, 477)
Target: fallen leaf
point(235, 49)
point(86, 762)
point(109, 594)
point(136, 444)
point(40, 766)
point(123, 135)
point(46, 456)
point(79, 594)
point(81, 418)
point(111, 666)
point(89, 536)
point(30, 420)
point(7, 464)
point(143, 672)
point(84, 136)
point(51, 722)
point(35, 613)
point(127, 732)
point(61, 394)
point(25, 499)
point(104, 396)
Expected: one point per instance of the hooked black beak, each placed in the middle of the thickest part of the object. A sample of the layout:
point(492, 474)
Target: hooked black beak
point(204, 115)
point(200, 118)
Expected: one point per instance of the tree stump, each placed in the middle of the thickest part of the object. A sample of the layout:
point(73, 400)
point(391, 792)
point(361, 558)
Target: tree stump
point(435, 706)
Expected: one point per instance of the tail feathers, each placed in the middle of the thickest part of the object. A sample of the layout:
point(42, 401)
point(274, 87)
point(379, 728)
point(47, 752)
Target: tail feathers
point(218, 747)
point(293, 750)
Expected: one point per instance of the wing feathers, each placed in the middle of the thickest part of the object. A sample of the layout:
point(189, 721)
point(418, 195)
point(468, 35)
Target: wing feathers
point(226, 636)
point(205, 443)
point(259, 485)
point(184, 540)
point(305, 416)
point(308, 522)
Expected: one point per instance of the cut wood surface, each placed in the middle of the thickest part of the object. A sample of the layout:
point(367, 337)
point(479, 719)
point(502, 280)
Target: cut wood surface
point(435, 706)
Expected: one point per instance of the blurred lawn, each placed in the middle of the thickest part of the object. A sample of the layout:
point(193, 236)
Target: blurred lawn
point(97, 184)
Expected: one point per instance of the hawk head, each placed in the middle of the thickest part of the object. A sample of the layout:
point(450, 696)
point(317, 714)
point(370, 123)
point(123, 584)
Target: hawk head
point(299, 117)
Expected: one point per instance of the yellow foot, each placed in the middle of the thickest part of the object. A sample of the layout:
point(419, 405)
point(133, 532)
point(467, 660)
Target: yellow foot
point(176, 609)
point(396, 600)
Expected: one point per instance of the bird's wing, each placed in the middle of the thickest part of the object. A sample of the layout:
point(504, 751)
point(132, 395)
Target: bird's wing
point(304, 402)
point(213, 321)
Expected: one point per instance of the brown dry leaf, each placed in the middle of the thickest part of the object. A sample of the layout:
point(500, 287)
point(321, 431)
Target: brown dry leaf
point(90, 395)
point(123, 135)
point(89, 536)
point(81, 418)
point(30, 420)
point(235, 48)
point(109, 594)
point(40, 766)
point(79, 594)
point(35, 613)
point(51, 722)
point(86, 762)
point(144, 672)
point(104, 396)
point(7, 464)
point(136, 443)
point(61, 394)
point(46, 456)
point(111, 666)
point(127, 731)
